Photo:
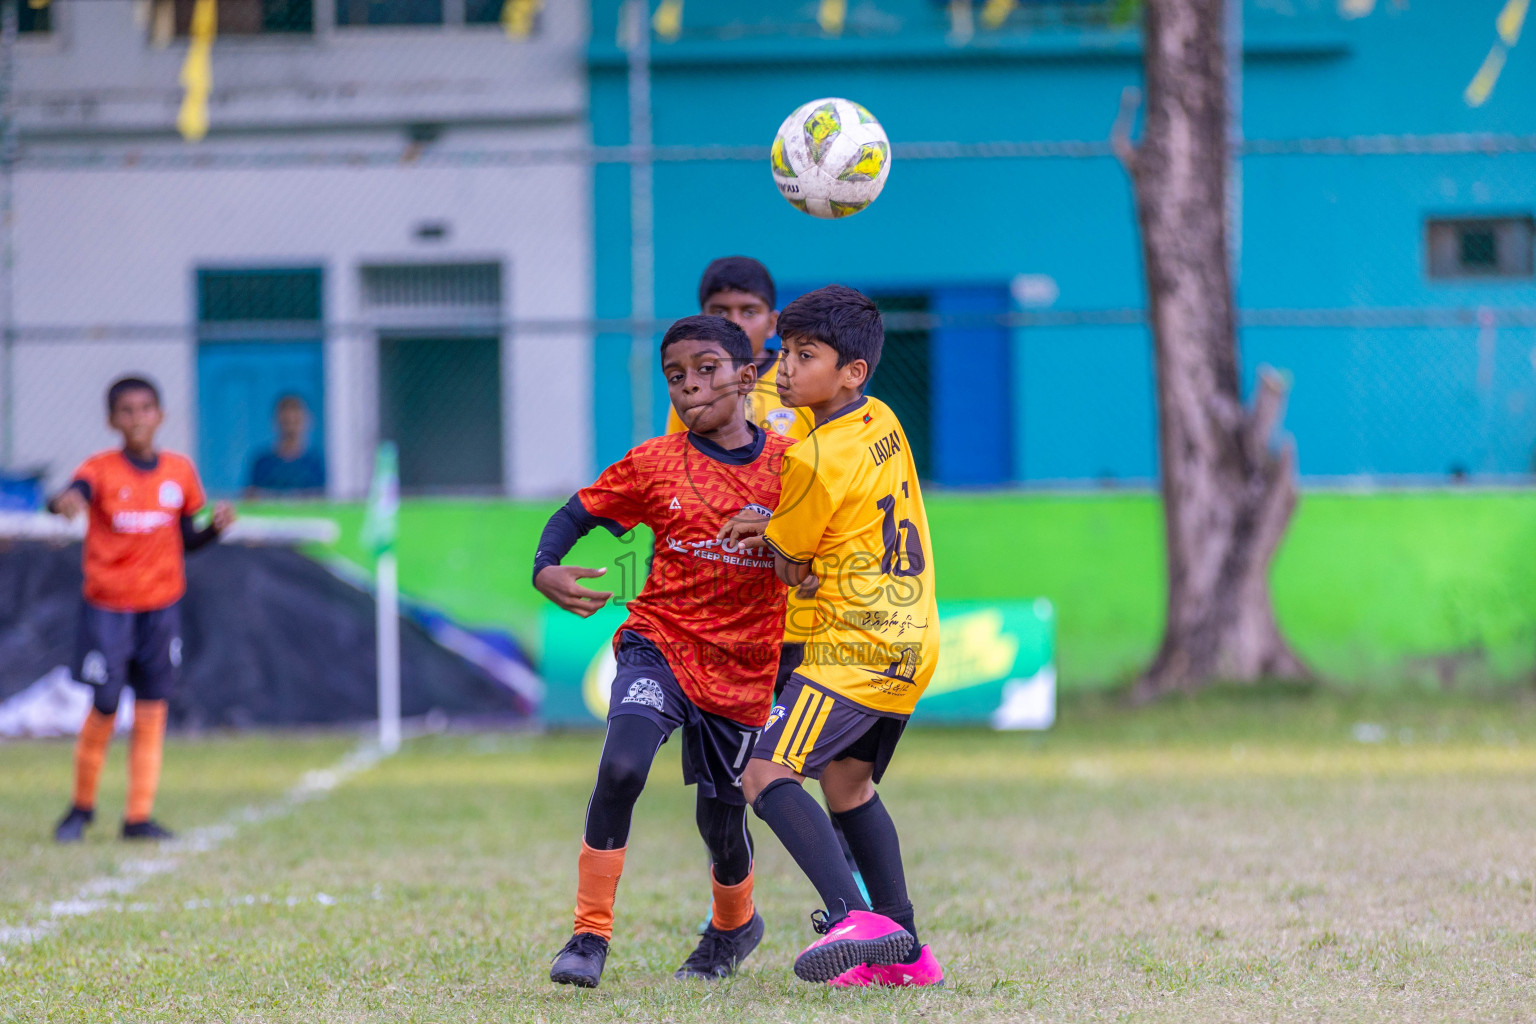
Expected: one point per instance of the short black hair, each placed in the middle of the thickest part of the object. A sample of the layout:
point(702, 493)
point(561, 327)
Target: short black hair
point(840, 317)
point(711, 328)
point(737, 274)
point(123, 385)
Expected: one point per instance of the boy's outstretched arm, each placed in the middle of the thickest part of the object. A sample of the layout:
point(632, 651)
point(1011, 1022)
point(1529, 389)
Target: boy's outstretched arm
point(745, 532)
point(72, 501)
point(560, 583)
point(792, 572)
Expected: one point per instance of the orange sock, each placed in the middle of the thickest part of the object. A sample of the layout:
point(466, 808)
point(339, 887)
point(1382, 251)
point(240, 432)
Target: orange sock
point(144, 755)
point(90, 752)
point(597, 885)
point(733, 903)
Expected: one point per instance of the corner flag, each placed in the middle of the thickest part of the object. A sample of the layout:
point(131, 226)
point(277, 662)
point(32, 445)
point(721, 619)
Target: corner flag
point(379, 528)
point(380, 522)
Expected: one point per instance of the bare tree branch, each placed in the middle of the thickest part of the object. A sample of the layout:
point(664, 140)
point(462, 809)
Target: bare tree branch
point(1120, 131)
point(1268, 408)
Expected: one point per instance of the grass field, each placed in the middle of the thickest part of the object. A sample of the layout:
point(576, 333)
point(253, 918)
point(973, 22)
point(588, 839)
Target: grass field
point(1374, 589)
point(1227, 859)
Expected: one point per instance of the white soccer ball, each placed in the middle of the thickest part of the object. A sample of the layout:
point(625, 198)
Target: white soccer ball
point(830, 158)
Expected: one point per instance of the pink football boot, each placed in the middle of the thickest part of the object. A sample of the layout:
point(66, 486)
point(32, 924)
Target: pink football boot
point(860, 938)
point(927, 971)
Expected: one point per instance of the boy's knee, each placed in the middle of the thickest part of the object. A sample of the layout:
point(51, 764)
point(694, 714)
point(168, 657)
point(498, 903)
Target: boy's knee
point(848, 784)
point(622, 778)
point(752, 781)
point(760, 774)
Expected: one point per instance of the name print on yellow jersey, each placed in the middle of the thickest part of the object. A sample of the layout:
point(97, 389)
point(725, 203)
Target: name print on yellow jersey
point(884, 448)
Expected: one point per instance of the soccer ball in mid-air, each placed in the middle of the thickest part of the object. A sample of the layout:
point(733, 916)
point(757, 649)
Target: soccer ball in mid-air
point(830, 158)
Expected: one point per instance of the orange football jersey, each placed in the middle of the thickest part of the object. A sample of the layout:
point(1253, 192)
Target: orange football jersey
point(134, 560)
point(717, 614)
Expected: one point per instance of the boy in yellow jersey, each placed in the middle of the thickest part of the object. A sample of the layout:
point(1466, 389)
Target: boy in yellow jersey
point(850, 515)
point(740, 289)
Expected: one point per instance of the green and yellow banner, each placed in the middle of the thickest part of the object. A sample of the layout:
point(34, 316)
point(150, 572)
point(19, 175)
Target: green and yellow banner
point(997, 666)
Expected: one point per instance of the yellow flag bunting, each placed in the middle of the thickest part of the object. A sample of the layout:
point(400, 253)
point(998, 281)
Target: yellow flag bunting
point(831, 15)
point(668, 20)
point(1508, 24)
point(518, 17)
point(197, 72)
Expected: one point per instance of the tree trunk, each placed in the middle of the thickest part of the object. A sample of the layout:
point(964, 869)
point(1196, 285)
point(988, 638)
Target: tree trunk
point(1227, 497)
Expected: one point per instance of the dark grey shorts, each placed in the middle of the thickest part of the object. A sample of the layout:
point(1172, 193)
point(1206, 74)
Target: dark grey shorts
point(715, 749)
point(138, 649)
point(810, 728)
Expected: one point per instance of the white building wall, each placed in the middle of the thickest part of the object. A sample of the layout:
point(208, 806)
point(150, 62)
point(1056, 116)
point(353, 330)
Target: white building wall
point(60, 399)
point(112, 253)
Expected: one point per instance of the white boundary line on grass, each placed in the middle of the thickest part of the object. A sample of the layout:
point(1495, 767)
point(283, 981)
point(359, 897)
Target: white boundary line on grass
point(90, 899)
point(319, 899)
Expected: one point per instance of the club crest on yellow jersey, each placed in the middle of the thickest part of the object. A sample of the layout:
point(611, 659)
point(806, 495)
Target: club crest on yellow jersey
point(780, 421)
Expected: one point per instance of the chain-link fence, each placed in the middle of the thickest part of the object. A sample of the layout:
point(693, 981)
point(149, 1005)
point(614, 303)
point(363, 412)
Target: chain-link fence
point(463, 286)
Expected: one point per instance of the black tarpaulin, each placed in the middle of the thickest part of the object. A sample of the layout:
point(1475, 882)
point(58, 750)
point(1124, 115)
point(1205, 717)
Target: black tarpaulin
point(270, 638)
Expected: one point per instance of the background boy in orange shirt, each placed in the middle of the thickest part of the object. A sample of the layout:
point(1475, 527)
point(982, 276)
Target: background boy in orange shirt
point(140, 503)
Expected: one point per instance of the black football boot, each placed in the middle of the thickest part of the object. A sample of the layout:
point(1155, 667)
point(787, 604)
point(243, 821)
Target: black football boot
point(580, 961)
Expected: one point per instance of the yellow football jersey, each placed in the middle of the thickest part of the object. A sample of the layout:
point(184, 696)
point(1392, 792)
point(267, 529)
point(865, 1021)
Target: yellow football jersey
point(851, 505)
point(764, 408)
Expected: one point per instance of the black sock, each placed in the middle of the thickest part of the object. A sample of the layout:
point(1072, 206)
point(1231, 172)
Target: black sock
point(872, 837)
point(842, 841)
point(628, 751)
point(724, 828)
point(806, 832)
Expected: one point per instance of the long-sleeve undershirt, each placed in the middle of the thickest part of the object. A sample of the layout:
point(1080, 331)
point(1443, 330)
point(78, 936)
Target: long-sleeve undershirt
point(569, 524)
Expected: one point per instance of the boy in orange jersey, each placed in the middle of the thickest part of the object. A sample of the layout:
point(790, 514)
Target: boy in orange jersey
point(740, 289)
point(700, 647)
point(140, 503)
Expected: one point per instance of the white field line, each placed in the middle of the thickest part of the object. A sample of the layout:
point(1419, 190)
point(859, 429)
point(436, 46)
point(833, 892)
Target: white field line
point(92, 896)
point(78, 908)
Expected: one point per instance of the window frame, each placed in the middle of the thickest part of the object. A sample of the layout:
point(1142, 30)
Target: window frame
point(47, 13)
point(455, 19)
point(447, 9)
point(1454, 269)
point(225, 35)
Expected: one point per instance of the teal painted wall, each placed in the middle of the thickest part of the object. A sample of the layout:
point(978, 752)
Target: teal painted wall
point(1320, 232)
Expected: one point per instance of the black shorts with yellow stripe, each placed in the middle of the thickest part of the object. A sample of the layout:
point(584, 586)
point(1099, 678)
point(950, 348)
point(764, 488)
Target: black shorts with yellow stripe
point(810, 728)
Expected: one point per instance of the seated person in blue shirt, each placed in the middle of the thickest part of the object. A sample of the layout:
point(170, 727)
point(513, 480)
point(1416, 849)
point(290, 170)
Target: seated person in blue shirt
point(289, 467)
